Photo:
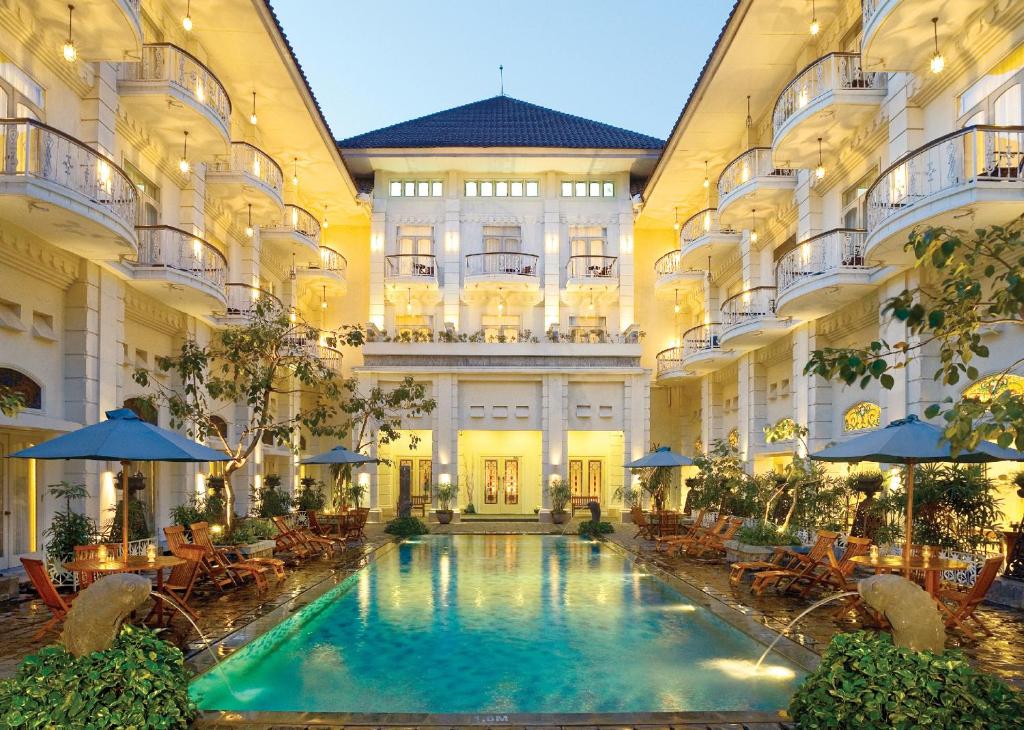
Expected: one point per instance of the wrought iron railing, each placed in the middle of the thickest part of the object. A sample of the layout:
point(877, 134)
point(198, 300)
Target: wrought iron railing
point(869, 8)
point(702, 338)
point(32, 149)
point(166, 246)
point(249, 160)
point(840, 248)
point(169, 64)
point(669, 360)
point(701, 224)
point(972, 154)
point(748, 306)
point(834, 72)
point(302, 222)
point(755, 162)
point(501, 262)
point(311, 344)
point(592, 267)
point(330, 261)
point(242, 299)
point(410, 265)
point(671, 264)
point(65, 578)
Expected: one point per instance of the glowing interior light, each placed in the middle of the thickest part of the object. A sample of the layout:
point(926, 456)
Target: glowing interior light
point(186, 22)
point(938, 63)
point(70, 52)
point(815, 27)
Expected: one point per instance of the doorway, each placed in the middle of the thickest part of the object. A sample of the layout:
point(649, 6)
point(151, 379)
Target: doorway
point(586, 477)
point(502, 484)
point(17, 501)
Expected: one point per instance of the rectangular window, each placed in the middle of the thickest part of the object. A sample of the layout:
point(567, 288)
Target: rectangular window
point(409, 190)
point(501, 189)
point(580, 190)
point(436, 189)
point(566, 189)
point(416, 188)
point(587, 189)
point(516, 189)
point(587, 240)
point(499, 239)
point(396, 189)
point(595, 190)
point(417, 240)
point(487, 189)
point(609, 189)
point(471, 188)
point(423, 189)
point(532, 189)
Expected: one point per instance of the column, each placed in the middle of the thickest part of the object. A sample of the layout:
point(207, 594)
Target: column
point(99, 110)
point(820, 421)
point(906, 122)
point(809, 220)
point(894, 401)
point(378, 240)
point(444, 445)
point(552, 256)
point(452, 265)
point(554, 435)
point(636, 417)
point(752, 416)
point(627, 310)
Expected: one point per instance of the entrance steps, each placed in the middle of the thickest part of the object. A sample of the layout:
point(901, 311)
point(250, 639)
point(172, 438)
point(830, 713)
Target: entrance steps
point(496, 518)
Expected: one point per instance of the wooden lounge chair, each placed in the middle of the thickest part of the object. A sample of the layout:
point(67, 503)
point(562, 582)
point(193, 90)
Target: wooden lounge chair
point(289, 542)
point(179, 584)
point(302, 538)
point(961, 605)
point(832, 573)
point(356, 531)
point(695, 531)
point(713, 543)
point(240, 566)
point(216, 572)
point(320, 531)
point(644, 528)
point(54, 601)
point(91, 552)
point(786, 559)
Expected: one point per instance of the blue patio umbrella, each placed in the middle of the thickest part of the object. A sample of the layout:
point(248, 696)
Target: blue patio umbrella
point(123, 437)
point(911, 441)
point(663, 456)
point(338, 455)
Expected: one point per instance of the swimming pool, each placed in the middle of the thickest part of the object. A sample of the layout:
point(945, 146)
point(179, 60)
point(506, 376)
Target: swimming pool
point(499, 623)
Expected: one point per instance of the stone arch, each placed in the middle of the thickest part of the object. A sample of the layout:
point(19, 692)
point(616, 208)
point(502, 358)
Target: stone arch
point(28, 388)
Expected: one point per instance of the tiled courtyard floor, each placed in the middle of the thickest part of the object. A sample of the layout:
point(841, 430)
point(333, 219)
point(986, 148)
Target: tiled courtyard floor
point(222, 614)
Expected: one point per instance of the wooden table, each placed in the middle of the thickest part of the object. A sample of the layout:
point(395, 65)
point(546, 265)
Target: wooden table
point(931, 567)
point(134, 564)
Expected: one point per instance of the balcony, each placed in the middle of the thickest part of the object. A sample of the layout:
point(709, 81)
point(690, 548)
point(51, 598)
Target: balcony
point(592, 272)
point(897, 34)
point(701, 349)
point(823, 274)
point(105, 30)
point(170, 91)
point(247, 176)
point(411, 270)
point(749, 320)
point(298, 232)
point(313, 344)
point(971, 178)
point(179, 268)
point(65, 192)
point(752, 182)
point(241, 302)
point(670, 364)
point(671, 277)
point(828, 100)
point(702, 237)
point(328, 269)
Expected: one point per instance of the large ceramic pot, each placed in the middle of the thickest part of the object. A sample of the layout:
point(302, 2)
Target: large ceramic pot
point(444, 516)
point(740, 552)
point(560, 517)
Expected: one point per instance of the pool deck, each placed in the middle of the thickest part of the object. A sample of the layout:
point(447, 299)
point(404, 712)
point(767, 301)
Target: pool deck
point(231, 619)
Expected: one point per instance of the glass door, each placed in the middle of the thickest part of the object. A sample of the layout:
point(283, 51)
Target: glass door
point(501, 485)
point(17, 502)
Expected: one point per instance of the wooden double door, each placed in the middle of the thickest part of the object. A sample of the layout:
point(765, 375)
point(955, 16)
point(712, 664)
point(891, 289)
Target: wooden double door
point(502, 484)
point(586, 477)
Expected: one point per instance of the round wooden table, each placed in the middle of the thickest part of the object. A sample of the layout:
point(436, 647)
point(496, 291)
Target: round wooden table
point(933, 568)
point(134, 564)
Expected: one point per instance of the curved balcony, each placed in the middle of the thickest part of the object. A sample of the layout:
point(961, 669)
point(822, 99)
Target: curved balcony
point(702, 236)
point(65, 192)
point(823, 274)
point(592, 272)
point(701, 349)
point(328, 269)
point(671, 277)
point(170, 91)
point(829, 99)
point(297, 232)
point(971, 178)
point(313, 346)
point(753, 182)
point(180, 268)
point(509, 270)
point(247, 176)
point(411, 277)
point(897, 34)
point(105, 30)
point(749, 319)
point(670, 364)
point(241, 300)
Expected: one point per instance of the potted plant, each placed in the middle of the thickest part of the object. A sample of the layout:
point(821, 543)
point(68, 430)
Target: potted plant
point(444, 494)
point(355, 492)
point(560, 493)
point(758, 542)
point(68, 528)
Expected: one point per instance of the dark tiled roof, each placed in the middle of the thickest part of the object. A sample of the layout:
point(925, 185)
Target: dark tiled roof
point(502, 121)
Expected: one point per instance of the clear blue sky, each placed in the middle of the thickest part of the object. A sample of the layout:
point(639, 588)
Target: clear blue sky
point(376, 62)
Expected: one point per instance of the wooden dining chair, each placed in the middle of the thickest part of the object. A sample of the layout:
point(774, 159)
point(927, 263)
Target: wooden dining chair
point(216, 572)
point(48, 594)
point(180, 583)
point(961, 605)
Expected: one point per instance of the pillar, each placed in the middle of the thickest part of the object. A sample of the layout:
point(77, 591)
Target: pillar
point(627, 310)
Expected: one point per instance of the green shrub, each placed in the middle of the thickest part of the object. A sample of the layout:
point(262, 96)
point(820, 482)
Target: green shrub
point(68, 528)
point(406, 527)
point(311, 496)
point(865, 682)
point(269, 500)
point(767, 534)
point(139, 682)
point(589, 528)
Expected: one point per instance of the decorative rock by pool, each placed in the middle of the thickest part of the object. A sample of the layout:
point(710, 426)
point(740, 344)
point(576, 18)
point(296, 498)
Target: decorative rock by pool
point(96, 615)
point(916, 622)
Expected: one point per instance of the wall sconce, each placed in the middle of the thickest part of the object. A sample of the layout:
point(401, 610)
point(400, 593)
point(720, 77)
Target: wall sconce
point(444, 479)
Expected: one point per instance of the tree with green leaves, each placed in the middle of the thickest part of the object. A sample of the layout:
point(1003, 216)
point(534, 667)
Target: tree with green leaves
point(11, 401)
point(979, 288)
point(272, 356)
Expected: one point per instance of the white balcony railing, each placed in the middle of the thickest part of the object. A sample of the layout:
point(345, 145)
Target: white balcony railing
point(410, 265)
point(701, 224)
point(970, 155)
point(669, 361)
point(302, 222)
point(169, 64)
point(592, 267)
point(31, 149)
point(671, 264)
point(755, 162)
point(869, 8)
point(329, 261)
point(834, 72)
point(249, 160)
point(312, 346)
point(242, 299)
point(748, 306)
point(842, 248)
point(702, 338)
point(165, 246)
point(501, 263)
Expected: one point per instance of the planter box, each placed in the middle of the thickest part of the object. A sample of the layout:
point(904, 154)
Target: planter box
point(259, 549)
point(740, 552)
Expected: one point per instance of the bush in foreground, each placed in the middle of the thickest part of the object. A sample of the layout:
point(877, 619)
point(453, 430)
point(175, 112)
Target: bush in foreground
point(589, 528)
point(865, 682)
point(406, 527)
point(139, 682)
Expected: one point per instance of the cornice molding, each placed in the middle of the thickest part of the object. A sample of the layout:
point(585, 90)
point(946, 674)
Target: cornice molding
point(149, 312)
point(38, 259)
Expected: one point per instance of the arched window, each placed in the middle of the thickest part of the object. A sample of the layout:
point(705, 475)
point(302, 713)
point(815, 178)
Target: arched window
point(144, 409)
point(220, 426)
point(991, 387)
point(30, 391)
point(862, 416)
point(733, 438)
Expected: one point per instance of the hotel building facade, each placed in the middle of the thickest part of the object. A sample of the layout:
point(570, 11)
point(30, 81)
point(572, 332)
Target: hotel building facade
point(570, 292)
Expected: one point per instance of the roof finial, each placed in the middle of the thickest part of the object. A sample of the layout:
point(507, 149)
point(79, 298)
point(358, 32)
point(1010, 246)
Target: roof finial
point(501, 78)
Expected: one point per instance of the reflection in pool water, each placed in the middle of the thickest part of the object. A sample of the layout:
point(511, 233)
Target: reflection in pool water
point(500, 623)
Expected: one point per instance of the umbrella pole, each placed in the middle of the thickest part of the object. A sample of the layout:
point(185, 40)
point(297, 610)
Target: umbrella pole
point(124, 511)
point(908, 535)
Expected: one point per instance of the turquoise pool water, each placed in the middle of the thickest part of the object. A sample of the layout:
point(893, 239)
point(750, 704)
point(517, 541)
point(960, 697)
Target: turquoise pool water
point(499, 623)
